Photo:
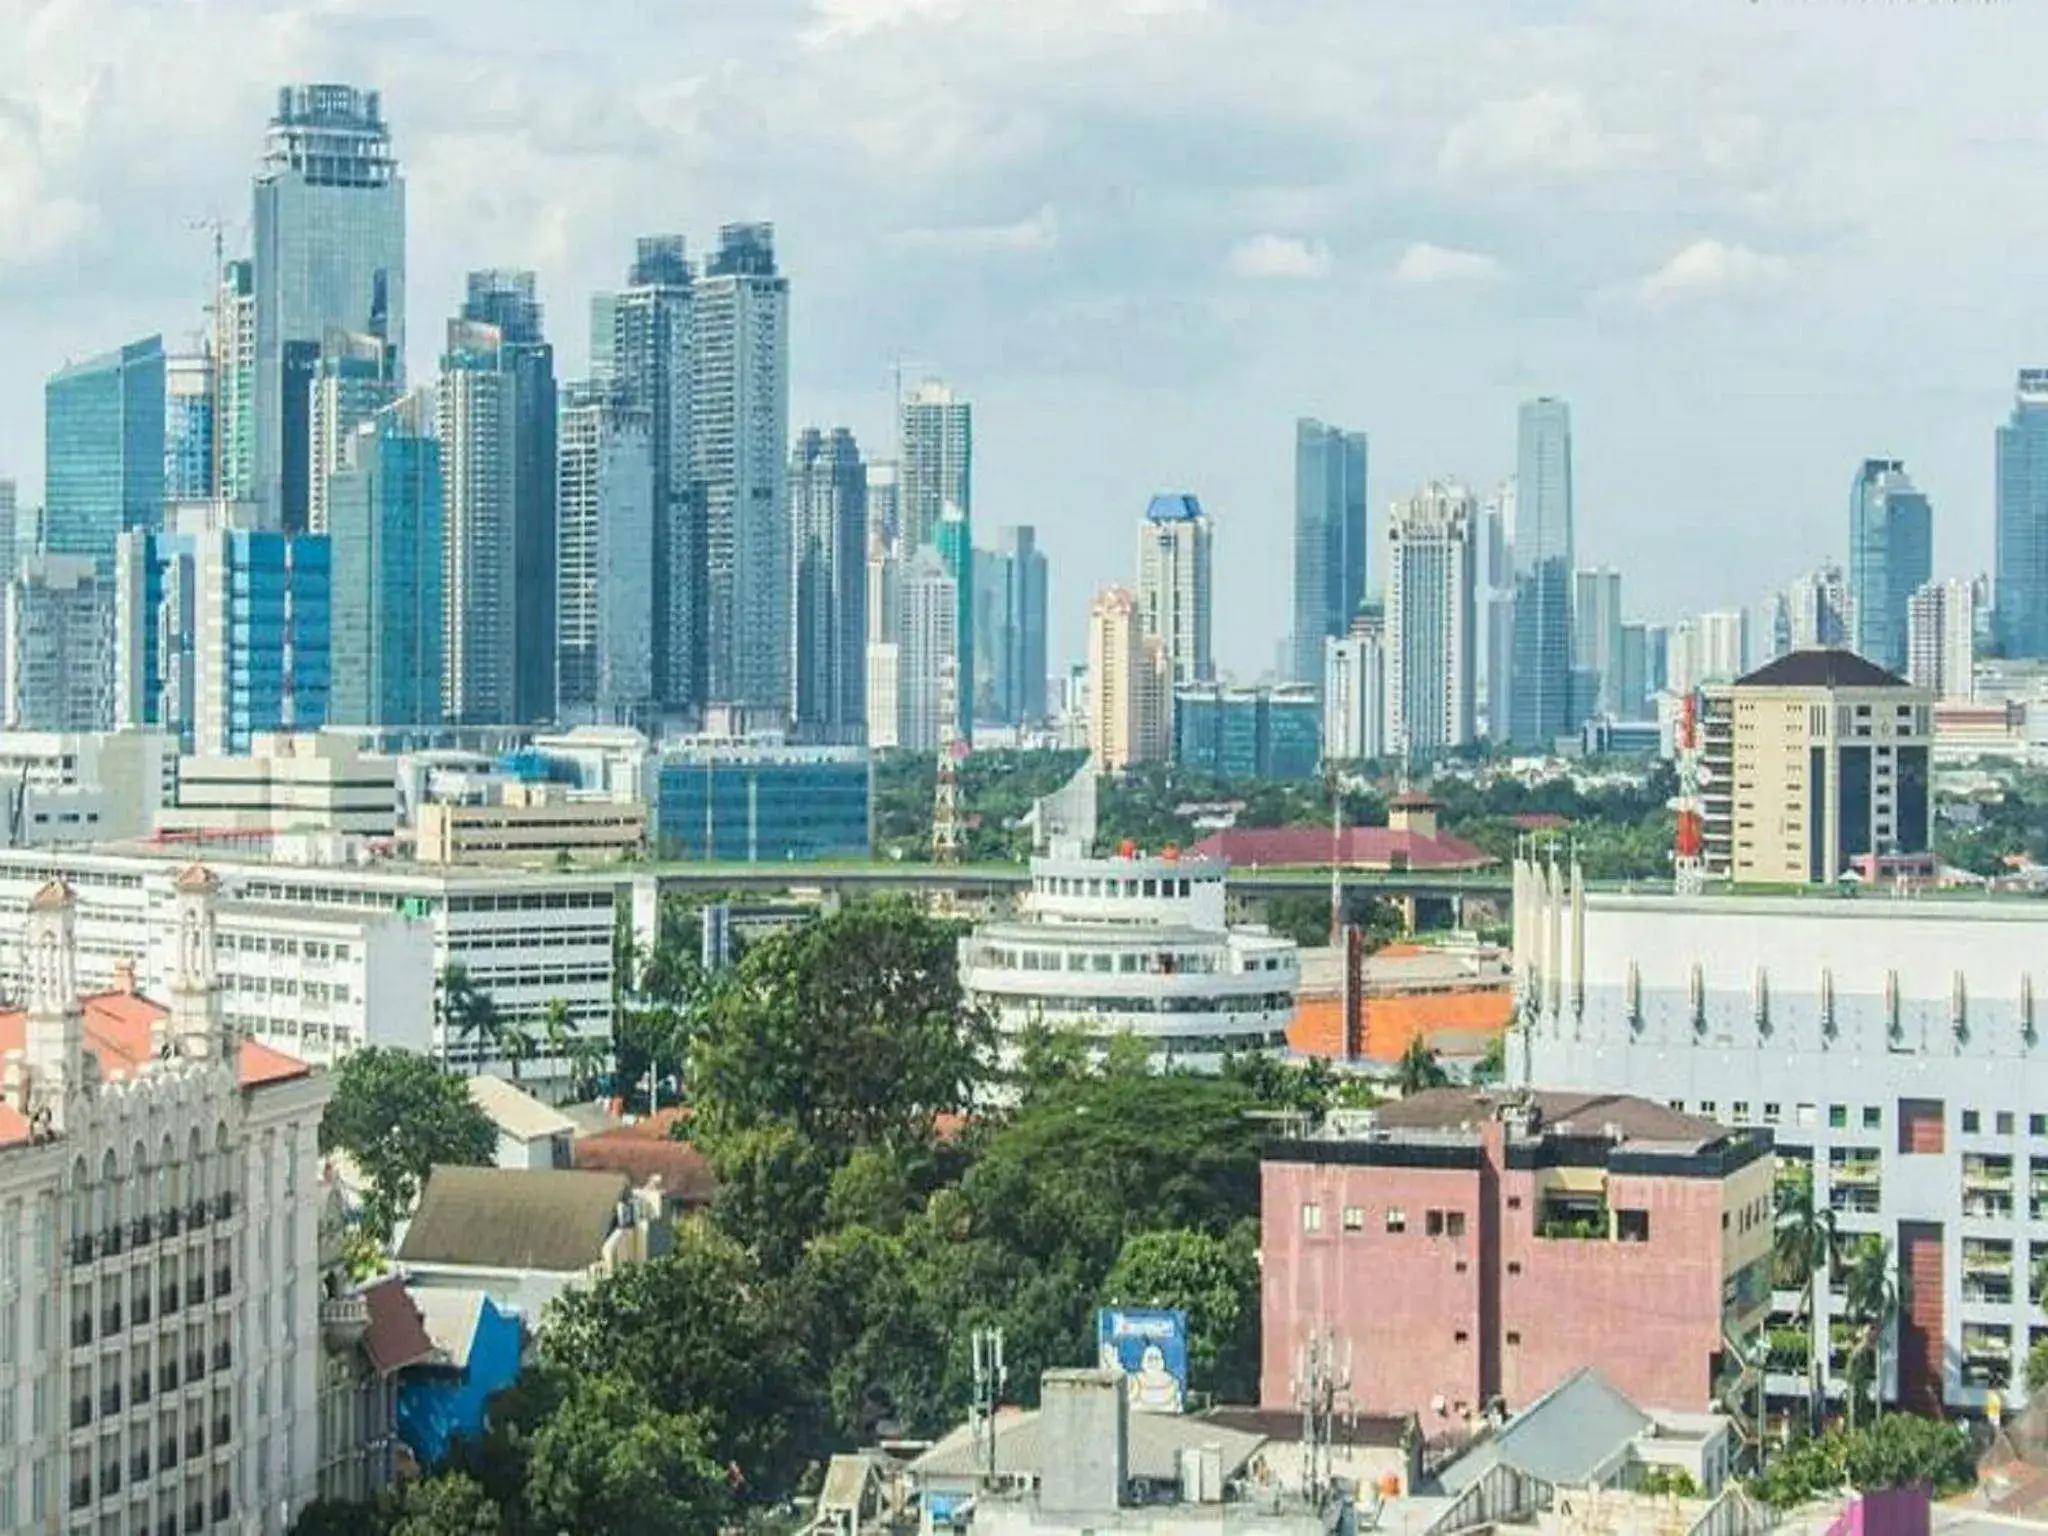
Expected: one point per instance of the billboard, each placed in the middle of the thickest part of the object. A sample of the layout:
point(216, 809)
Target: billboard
point(1150, 1347)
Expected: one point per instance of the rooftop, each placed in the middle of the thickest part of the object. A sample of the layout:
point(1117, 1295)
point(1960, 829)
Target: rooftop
point(1616, 1117)
point(396, 1337)
point(1826, 667)
point(1569, 1437)
point(1156, 1441)
point(551, 1220)
point(1359, 847)
point(1176, 507)
point(515, 1112)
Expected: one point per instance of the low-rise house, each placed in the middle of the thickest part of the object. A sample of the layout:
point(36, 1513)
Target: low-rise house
point(647, 1152)
point(530, 1133)
point(1583, 1433)
point(478, 1347)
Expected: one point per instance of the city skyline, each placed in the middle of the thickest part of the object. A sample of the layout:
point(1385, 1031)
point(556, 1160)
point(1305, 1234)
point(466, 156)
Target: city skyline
point(988, 259)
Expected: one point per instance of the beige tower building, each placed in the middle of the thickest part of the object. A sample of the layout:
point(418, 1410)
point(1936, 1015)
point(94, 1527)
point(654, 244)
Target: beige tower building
point(1130, 684)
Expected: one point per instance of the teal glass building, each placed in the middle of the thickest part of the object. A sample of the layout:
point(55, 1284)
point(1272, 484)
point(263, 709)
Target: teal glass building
point(384, 524)
point(103, 451)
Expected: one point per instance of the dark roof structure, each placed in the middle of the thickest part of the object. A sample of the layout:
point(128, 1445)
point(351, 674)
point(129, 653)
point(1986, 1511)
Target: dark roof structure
point(1618, 1116)
point(1380, 1431)
point(1827, 667)
point(396, 1338)
point(554, 1220)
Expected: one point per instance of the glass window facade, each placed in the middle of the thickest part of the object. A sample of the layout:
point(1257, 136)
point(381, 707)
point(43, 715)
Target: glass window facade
point(103, 451)
point(1540, 693)
point(1248, 733)
point(385, 526)
point(765, 810)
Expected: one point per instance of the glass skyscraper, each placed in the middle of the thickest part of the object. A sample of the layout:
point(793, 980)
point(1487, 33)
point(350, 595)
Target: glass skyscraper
point(329, 235)
point(935, 505)
point(2020, 581)
point(1539, 693)
point(234, 383)
point(103, 451)
point(828, 506)
point(189, 418)
point(1010, 612)
point(355, 377)
point(384, 522)
point(1330, 534)
point(1891, 556)
point(954, 539)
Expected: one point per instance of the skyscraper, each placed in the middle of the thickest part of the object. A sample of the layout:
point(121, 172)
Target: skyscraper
point(1010, 610)
point(329, 226)
point(927, 653)
point(189, 424)
point(103, 451)
point(937, 467)
point(1330, 539)
point(1494, 665)
point(505, 300)
point(1174, 585)
point(10, 549)
point(739, 434)
point(640, 344)
point(60, 645)
point(1542, 663)
point(1891, 556)
point(1129, 684)
point(385, 527)
point(1941, 639)
point(1633, 695)
point(1817, 611)
point(604, 607)
point(234, 383)
point(2020, 576)
point(356, 377)
point(1355, 692)
point(479, 460)
point(828, 504)
point(1430, 570)
point(954, 536)
point(1596, 641)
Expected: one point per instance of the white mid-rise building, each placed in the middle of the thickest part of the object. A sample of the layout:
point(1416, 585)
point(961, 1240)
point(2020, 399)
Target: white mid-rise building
point(1355, 694)
point(928, 654)
point(304, 783)
point(160, 1298)
point(1138, 946)
point(1941, 639)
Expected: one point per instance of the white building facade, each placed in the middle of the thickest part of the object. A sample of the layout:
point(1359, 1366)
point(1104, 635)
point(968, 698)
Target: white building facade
point(1355, 694)
point(1941, 639)
point(1430, 633)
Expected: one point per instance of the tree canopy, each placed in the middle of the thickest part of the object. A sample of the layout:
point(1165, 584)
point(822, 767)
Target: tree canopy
point(398, 1115)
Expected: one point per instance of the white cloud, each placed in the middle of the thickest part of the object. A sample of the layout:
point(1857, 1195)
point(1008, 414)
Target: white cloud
point(1040, 232)
point(1712, 266)
point(1550, 132)
point(1426, 263)
point(1279, 257)
point(837, 20)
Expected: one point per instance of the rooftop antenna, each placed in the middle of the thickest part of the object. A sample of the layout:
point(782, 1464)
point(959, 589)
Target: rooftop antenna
point(1689, 870)
point(946, 791)
point(989, 1377)
point(1322, 1383)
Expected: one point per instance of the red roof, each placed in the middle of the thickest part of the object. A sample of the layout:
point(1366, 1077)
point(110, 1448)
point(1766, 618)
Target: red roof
point(1360, 847)
point(396, 1336)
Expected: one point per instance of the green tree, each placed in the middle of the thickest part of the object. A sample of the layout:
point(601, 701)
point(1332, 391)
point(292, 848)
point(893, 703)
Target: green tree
point(1493, 1061)
point(851, 1028)
point(1674, 1482)
point(448, 1505)
point(1805, 1244)
point(337, 1517)
point(468, 1014)
point(610, 1463)
point(881, 1339)
point(1903, 1448)
point(1873, 1294)
point(1215, 1280)
point(397, 1116)
point(772, 1187)
point(2037, 1367)
point(518, 1044)
point(1420, 1068)
point(876, 1188)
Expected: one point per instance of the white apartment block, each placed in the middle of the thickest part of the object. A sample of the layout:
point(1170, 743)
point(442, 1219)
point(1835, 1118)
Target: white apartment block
point(1355, 694)
point(1941, 639)
point(1430, 623)
point(160, 1290)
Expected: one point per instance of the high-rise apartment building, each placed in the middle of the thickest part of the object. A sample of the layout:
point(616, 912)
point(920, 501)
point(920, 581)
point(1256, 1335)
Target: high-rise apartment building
point(1429, 641)
point(927, 654)
point(954, 537)
point(937, 465)
point(640, 345)
point(1891, 556)
point(885, 500)
point(1543, 545)
point(1710, 648)
point(329, 236)
point(2020, 576)
point(1129, 676)
point(355, 377)
point(386, 534)
point(234, 382)
point(1331, 549)
point(1011, 614)
point(1941, 639)
point(828, 503)
point(1355, 692)
point(1596, 640)
point(103, 450)
point(1813, 612)
point(479, 470)
point(1174, 584)
point(10, 514)
point(604, 606)
point(1494, 661)
point(60, 645)
point(739, 434)
point(505, 300)
point(189, 426)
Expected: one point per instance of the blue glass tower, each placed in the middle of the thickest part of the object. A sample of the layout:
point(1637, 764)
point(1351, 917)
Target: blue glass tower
point(2020, 585)
point(955, 536)
point(189, 425)
point(1541, 662)
point(1330, 540)
point(1891, 556)
point(384, 522)
point(103, 451)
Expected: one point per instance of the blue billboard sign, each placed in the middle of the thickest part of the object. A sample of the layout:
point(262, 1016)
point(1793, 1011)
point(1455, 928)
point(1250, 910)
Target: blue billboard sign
point(1150, 1346)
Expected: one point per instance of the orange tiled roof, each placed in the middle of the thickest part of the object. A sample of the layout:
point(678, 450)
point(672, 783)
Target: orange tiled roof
point(117, 1029)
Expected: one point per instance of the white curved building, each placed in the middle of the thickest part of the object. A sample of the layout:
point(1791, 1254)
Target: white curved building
point(1135, 945)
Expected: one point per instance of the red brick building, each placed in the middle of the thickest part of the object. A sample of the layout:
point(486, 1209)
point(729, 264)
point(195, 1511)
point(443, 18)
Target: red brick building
point(1465, 1246)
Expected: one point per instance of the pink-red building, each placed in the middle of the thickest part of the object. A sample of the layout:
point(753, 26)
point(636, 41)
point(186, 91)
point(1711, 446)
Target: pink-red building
point(1461, 1246)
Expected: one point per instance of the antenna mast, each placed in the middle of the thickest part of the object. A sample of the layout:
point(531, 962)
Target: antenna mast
point(989, 1377)
point(1689, 870)
point(946, 794)
point(1323, 1383)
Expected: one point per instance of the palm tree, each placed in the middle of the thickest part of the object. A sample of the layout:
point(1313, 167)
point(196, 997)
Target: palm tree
point(1420, 1068)
point(518, 1044)
point(480, 1025)
point(1875, 1297)
point(557, 1028)
point(1805, 1244)
point(586, 1056)
point(453, 1000)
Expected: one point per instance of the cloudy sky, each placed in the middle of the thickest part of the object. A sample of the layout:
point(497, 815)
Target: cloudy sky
point(1750, 240)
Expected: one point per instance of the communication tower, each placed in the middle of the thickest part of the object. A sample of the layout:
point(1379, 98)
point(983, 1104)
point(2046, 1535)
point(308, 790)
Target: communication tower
point(1689, 875)
point(946, 797)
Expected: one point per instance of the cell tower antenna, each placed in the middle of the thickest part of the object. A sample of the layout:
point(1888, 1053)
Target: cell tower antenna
point(1324, 1385)
point(989, 1378)
point(1689, 870)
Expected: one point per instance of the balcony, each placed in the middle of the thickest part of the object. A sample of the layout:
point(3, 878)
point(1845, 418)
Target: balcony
point(110, 1320)
point(223, 1206)
point(139, 1392)
point(81, 1332)
point(195, 1216)
point(221, 1507)
point(195, 1442)
point(81, 1411)
point(343, 1321)
point(82, 1248)
point(195, 1518)
point(195, 1290)
point(1859, 1173)
point(167, 1299)
point(167, 1454)
point(223, 1430)
point(110, 1399)
point(223, 1356)
point(142, 1231)
point(140, 1307)
point(195, 1365)
point(81, 1492)
point(173, 1222)
point(170, 1373)
point(1854, 1199)
point(111, 1240)
point(223, 1281)
point(138, 1467)
point(110, 1479)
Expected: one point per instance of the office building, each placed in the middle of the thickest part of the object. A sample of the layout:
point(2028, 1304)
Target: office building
point(1430, 621)
point(189, 414)
point(1355, 692)
point(1248, 733)
point(739, 433)
point(505, 300)
point(640, 346)
point(884, 677)
point(540, 825)
point(385, 534)
point(479, 453)
point(60, 645)
point(316, 783)
point(828, 505)
point(1596, 641)
point(1023, 661)
point(991, 614)
point(936, 470)
point(1543, 549)
point(1480, 1248)
point(103, 451)
point(1632, 695)
point(1331, 552)
point(234, 382)
point(1893, 1050)
point(1174, 586)
point(1891, 556)
point(1815, 766)
point(1133, 945)
point(604, 605)
point(355, 377)
point(1494, 668)
point(1941, 639)
point(1129, 685)
point(885, 500)
point(956, 553)
point(762, 802)
point(162, 1205)
point(328, 226)
point(2020, 576)
point(927, 655)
